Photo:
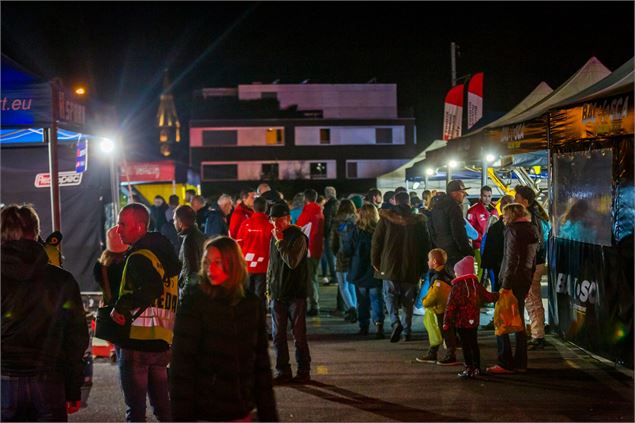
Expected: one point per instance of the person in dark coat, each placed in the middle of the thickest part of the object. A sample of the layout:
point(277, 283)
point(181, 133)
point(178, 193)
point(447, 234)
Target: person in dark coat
point(220, 368)
point(44, 332)
point(448, 225)
point(217, 221)
point(370, 297)
point(519, 264)
point(400, 247)
point(342, 228)
point(157, 213)
point(492, 246)
point(192, 240)
point(328, 259)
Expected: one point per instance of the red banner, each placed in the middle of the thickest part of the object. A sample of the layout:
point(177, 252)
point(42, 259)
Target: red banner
point(148, 172)
point(475, 100)
point(453, 114)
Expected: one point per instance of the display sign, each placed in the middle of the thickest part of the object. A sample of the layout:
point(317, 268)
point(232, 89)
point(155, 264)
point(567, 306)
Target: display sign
point(147, 172)
point(81, 154)
point(66, 179)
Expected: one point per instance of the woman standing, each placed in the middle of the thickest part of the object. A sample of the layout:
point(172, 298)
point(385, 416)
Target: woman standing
point(220, 369)
point(370, 297)
point(341, 232)
point(519, 263)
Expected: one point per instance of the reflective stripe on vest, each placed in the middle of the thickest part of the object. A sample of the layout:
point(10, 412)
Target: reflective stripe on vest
point(157, 321)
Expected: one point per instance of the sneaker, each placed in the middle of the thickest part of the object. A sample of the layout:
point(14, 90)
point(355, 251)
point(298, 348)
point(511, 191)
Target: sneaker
point(428, 358)
point(498, 370)
point(326, 281)
point(281, 379)
point(396, 332)
point(536, 344)
point(301, 378)
point(475, 372)
point(466, 373)
point(379, 330)
point(448, 360)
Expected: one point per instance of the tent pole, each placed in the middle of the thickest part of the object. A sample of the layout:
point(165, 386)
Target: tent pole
point(54, 164)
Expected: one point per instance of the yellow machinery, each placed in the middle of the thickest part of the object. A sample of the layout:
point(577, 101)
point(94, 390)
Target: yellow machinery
point(149, 191)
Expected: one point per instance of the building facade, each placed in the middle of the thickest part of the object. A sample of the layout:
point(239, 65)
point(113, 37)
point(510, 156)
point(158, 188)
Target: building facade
point(296, 136)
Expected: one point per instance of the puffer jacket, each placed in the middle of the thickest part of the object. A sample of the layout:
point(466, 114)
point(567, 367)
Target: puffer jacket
point(448, 229)
point(400, 246)
point(466, 297)
point(342, 229)
point(220, 368)
point(440, 286)
point(43, 323)
point(519, 258)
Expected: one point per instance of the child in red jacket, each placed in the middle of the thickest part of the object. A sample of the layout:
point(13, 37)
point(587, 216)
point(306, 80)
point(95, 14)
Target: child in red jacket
point(463, 310)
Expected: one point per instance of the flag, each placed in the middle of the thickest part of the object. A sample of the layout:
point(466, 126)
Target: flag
point(81, 156)
point(453, 114)
point(475, 100)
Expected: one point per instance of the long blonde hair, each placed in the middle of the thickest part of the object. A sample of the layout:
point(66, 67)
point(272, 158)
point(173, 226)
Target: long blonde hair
point(368, 218)
point(233, 264)
point(515, 211)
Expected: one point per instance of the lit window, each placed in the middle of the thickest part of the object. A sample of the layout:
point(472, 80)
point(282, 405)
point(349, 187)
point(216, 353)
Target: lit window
point(318, 170)
point(274, 136)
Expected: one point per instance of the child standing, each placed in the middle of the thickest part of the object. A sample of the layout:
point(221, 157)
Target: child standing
point(462, 313)
point(435, 302)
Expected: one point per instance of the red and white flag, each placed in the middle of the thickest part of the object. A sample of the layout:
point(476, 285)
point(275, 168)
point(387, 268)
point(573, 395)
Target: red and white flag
point(475, 99)
point(453, 115)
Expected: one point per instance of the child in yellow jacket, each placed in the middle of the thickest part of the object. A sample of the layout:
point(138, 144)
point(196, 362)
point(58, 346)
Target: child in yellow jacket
point(435, 302)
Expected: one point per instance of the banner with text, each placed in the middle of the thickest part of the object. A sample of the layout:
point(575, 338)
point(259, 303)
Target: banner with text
point(453, 114)
point(475, 100)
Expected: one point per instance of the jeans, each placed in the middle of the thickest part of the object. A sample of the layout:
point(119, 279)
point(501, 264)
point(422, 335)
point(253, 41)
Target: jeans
point(39, 398)
point(504, 356)
point(347, 290)
point(400, 295)
point(144, 373)
point(293, 311)
point(370, 300)
point(313, 287)
point(469, 343)
point(327, 261)
point(257, 284)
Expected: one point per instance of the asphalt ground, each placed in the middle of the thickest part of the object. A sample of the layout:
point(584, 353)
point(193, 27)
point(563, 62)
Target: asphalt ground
point(359, 378)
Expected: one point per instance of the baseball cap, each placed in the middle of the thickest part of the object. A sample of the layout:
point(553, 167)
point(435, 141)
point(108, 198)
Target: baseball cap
point(279, 210)
point(456, 185)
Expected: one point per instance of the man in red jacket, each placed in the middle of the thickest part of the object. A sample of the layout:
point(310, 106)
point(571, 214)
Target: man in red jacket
point(254, 237)
point(242, 212)
point(478, 215)
point(311, 221)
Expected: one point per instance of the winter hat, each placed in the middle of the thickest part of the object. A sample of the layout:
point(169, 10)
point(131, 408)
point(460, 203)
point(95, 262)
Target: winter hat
point(464, 267)
point(114, 243)
point(279, 210)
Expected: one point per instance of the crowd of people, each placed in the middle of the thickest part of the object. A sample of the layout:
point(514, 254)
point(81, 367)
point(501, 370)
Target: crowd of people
point(193, 282)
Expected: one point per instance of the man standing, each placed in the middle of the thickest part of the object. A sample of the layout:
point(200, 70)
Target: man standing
point(216, 222)
point(478, 215)
point(199, 206)
point(374, 197)
point(287, 283)
point(192, 240)
point(448, 225)
point(149, 284)
point(399, 254)
point(311, 221)
point(328, 259)
point(535, 309)
point(254, 238)
point(242, 212)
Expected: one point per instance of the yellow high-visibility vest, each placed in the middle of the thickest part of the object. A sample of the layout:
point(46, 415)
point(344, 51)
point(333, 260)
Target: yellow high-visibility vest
point(157, 321)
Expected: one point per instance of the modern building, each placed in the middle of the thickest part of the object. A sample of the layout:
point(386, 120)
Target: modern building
point(298, 135)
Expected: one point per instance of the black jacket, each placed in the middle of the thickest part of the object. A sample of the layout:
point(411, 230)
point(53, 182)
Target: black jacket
point(216, 223)
point(220, 368)
point(146, 284)
point(448, 229)
point(519, 260)
point(361, 271)
point(43, 322)
point(494, 246)
point(288, 270)
point(400, 245)
point(191, 253)
point(330, 209)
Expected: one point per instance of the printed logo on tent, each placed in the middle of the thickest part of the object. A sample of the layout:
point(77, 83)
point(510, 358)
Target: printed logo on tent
point(65, 179)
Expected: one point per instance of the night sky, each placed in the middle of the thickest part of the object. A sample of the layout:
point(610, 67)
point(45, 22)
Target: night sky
point(119, 49)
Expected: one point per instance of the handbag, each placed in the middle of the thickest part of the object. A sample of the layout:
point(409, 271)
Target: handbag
point(108, 330)
point(507, 317)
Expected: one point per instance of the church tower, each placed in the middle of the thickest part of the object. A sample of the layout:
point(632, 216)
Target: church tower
point(167, 119)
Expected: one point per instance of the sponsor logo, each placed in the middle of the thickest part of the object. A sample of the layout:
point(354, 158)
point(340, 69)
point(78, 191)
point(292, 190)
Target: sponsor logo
point(583, 291)
point(65, 179)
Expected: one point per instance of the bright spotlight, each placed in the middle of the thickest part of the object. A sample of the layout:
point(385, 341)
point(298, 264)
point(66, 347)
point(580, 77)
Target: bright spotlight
point(416, 185)
point(452, 164)
point(490, 158)
point(429, 171)
point(107, 145)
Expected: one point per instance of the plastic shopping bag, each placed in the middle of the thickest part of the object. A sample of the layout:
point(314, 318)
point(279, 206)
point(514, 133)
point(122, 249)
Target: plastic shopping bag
point(432, 327)
point(507, 318)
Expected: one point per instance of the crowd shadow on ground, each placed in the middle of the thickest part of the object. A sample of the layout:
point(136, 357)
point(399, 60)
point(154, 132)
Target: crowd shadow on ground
point(376, 406)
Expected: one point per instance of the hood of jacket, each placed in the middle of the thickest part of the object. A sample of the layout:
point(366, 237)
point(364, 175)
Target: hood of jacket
point(312, 209)
point(401, 216)
point(162, 248)
point(23, 259)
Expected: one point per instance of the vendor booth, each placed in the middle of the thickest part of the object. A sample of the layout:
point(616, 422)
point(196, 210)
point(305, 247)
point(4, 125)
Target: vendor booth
point(593, 211)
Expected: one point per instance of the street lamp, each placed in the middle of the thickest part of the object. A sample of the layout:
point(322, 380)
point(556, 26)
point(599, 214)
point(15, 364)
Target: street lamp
point(80, 91)
point(487, 159)
point(452, 164)
point(107, 146)
point(429, 172)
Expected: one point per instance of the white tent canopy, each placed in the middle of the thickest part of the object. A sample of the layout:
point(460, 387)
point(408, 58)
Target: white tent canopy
point(396, 178)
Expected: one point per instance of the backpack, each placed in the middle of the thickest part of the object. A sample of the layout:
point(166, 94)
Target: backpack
point(346, 231)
